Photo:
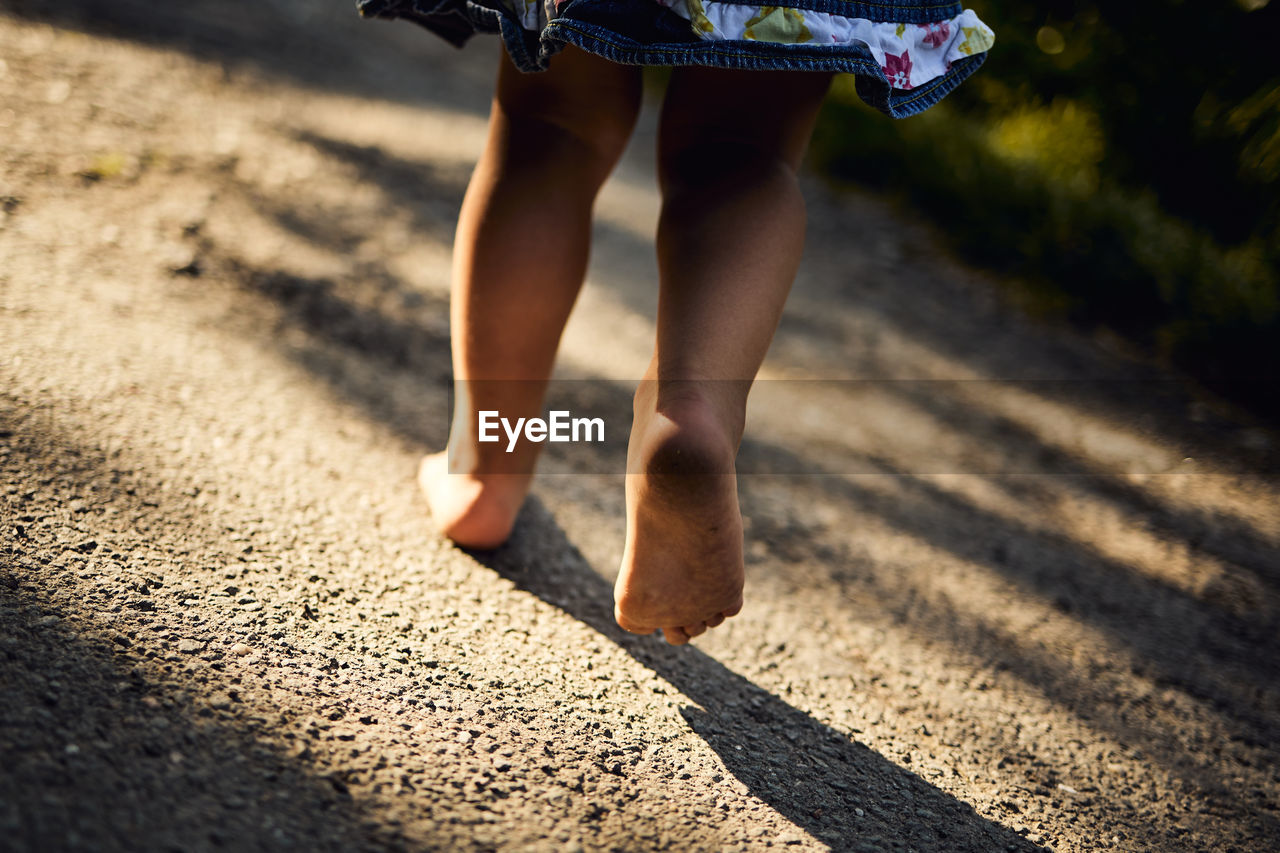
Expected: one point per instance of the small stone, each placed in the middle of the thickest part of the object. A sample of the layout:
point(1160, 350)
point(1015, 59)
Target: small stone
point(501, 765)
point(463, 737)
point(241, 649)
point(190, 647)
point(182, 260)
point(221, 701)
point(57, 92)
point(859, 812)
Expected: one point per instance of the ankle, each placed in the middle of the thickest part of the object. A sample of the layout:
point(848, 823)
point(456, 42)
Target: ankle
point(686, 436)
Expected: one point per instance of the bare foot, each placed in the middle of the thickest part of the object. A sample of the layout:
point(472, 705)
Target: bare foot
point(682, 564)
point(474, 510)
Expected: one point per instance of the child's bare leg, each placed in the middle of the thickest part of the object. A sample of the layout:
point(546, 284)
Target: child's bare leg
point(519, 258)
point(729, 243)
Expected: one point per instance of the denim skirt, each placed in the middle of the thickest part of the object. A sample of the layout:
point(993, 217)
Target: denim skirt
point(906, 54)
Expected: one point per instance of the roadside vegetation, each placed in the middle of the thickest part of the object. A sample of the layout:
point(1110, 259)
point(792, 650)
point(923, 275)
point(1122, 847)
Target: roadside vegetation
point(1119, 165)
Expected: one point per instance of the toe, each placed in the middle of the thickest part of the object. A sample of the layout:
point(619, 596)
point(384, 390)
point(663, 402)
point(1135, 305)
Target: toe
point(692, 631)
point(675, 636)
point(715, 620)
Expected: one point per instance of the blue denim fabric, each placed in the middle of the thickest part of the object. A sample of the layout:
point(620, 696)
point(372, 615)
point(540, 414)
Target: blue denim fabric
point(642, 32)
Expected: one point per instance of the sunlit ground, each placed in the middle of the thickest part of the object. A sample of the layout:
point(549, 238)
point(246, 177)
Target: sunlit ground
point(1022, 572)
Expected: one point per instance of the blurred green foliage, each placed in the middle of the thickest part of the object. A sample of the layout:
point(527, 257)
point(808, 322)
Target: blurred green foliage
point(1122, 161)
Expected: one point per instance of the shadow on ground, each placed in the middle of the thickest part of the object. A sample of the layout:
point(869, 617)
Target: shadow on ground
point(114, 755)
point(192, 762)
point(1219, 647)
point(310, 44)
point(107, 744)
point(838, 790)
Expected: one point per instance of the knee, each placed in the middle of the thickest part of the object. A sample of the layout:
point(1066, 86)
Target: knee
point(589, 130)
point(713, 165)
point(601, 131)
point(726, 182)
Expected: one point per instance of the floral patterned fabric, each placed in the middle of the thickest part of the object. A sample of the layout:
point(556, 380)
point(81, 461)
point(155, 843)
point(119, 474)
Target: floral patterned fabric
point(909, 54)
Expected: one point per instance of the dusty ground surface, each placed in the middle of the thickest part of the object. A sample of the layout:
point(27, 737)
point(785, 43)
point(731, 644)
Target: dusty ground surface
point(982, 615)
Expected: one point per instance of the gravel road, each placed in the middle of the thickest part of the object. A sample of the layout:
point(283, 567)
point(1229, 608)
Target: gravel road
point(1008, 588)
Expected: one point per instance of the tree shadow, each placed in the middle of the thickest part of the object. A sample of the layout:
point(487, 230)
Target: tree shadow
point(1148, 614)
point(106, 744)
point(431, 193)
point(103, 755)
point(315, 45)
point(1223, 659)
point(1229, 539)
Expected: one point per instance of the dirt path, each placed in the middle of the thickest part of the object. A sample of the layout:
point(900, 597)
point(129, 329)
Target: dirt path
point(1006, 588)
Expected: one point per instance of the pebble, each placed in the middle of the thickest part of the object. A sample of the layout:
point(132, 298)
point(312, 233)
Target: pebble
point(463, 737)
point(241, 649)
point(57, 92)
point(190, 647)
